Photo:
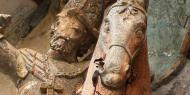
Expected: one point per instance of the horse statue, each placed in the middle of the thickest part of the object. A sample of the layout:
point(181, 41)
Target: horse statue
point(119, 65)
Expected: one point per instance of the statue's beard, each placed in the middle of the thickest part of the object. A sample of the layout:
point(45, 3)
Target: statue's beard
point(69, 50)
point(62, 49)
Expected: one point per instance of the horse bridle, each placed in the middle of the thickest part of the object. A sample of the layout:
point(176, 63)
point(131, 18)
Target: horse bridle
point(127, 50)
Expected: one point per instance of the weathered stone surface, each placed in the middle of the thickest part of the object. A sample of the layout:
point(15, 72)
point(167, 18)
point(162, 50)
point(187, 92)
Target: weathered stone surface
point(19, 10)
point(180, 85)
point(26, 15)
point(168, 20)
point(39, 36)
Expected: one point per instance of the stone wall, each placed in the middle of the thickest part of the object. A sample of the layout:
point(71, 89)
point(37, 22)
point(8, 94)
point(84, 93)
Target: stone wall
point(20, 10)
point(167, 21)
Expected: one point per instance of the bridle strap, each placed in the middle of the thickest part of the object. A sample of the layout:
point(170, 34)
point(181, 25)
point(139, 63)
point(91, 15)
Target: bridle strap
point(127, 50)
point(135, 5)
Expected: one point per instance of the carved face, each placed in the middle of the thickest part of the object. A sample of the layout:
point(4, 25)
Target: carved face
point(69, 39)
point(126, 27)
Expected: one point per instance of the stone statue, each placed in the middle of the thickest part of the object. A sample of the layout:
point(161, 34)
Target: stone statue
point(72, 42)
point(119, 64)
point(73, 38)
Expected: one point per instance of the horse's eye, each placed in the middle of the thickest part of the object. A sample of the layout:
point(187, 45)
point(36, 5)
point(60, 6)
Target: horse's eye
point(139, 33)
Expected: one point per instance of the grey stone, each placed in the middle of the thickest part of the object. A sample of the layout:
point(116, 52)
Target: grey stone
point(167, 20)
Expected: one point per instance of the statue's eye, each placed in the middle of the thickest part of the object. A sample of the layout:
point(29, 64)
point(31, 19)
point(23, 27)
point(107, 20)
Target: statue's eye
point(77, 30)
point(57, 23)
point(52, 30)
point(75, 33)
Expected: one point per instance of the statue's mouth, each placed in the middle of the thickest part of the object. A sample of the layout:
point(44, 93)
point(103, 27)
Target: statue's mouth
point(60, 48)
point(57, 45)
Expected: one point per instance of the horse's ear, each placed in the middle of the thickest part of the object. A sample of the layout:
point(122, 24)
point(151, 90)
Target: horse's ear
point(143, 3)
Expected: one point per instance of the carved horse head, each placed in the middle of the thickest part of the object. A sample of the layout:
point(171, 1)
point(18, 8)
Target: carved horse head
point(70, 37)
point(122, 36)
